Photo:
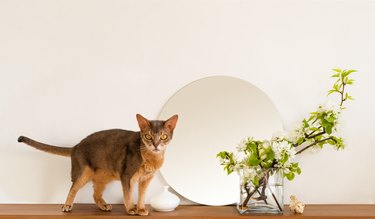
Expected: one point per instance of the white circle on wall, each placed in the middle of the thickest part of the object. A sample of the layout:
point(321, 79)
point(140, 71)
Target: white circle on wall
point(215, 114)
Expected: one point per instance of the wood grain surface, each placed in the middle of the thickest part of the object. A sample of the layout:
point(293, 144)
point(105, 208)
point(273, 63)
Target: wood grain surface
point(31, 211)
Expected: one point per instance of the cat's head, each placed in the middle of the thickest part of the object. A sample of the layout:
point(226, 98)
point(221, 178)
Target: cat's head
point(156, 134)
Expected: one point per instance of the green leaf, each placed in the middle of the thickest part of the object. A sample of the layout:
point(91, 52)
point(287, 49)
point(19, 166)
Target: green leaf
point(347, 97)
point(313, 116)
point(294, 165)
point(314, 129)
point(295, 168)
point(331, 92)
point(335, 75)
point(228, 169)
point(270, 154)
point(340, 86)
point(321, 144)
point(305, 123)
point(285, 158)
point(331, 142)
point(337, 70)
point(226, 156)
point(300, 140)
point(329, 129)
point(290, 176)
point(326, 125)
point(350, 81)
point(339, 143)
point(348, 72)
point(299, 171)
point(253, 160)
point(256, 181)
point(344, 74)
point(331, 118)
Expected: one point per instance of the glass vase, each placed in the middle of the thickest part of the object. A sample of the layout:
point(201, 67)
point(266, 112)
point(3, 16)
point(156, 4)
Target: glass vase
point(264, 198)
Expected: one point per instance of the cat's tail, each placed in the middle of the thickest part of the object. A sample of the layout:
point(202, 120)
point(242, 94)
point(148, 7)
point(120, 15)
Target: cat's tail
point(45, 147)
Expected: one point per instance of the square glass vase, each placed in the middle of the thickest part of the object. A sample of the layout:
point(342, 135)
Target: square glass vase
point(264, 198)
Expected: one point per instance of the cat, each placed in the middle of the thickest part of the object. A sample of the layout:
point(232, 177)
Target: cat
point(129, 156)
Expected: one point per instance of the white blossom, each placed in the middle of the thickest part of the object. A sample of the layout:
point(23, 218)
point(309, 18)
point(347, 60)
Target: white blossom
point(297, 133)
point(286, 170)
point(264, 156)
point(287, 164)
point(329, 107)
point(248, 174)
point(291, 151)
point(279, 135)
point(266, 144)
point(281, 149)
point(242, 145)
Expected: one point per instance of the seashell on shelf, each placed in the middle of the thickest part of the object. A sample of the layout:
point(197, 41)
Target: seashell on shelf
point(295, 205)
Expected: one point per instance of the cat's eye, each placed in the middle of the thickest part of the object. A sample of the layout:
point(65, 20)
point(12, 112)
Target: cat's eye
point(164, 137)
point(148, 136)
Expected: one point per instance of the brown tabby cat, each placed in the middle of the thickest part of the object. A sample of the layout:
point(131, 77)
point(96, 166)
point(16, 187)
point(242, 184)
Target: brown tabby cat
point(132, 157)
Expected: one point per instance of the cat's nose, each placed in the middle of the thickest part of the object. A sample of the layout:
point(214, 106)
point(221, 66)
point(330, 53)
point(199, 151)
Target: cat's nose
point(156, 143)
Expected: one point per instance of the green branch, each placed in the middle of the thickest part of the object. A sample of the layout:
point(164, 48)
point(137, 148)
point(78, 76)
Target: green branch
point(315, 143)
point(326, 125)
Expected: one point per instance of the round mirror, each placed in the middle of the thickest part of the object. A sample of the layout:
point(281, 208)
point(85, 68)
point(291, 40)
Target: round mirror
point(215, 114)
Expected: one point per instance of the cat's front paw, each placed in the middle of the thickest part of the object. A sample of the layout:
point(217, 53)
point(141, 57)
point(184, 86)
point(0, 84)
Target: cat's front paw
point(143, 212)
point(105, 207)
point(66, 208)
point(132, 211)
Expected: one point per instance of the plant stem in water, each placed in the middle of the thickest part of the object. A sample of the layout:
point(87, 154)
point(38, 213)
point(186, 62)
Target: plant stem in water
point(277, 202)
point(265, 200)
point(249, 194)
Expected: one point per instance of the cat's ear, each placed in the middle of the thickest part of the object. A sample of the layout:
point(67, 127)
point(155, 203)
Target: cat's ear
point(143, 123)
point(170, 124)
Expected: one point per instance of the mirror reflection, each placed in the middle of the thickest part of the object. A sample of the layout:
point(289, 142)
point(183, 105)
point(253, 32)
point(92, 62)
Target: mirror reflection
point(215, 114)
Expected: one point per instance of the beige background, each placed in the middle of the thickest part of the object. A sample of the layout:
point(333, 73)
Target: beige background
point(69, 68)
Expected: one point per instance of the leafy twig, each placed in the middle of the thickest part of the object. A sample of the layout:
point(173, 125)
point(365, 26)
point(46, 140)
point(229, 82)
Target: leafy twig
point(264, 156)
point(315, 143)
point(327, 124)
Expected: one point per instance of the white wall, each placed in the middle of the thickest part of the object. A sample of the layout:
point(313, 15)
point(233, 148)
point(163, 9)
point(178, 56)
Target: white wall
point(69, 68)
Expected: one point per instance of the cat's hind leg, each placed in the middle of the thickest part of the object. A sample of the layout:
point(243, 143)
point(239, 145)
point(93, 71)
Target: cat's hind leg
point(99, 186)
point(78, 182)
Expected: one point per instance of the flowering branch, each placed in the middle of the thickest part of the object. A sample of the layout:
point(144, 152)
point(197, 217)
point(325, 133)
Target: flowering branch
point(257, 160)
point(313, 144)
point(310, 136)
point(326, 118)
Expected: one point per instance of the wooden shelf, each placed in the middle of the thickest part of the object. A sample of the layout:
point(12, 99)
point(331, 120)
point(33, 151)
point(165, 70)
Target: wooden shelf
point(196, 212)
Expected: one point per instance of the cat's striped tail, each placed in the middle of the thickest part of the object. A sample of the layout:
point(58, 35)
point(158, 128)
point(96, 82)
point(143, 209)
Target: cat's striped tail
point(45, 147)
